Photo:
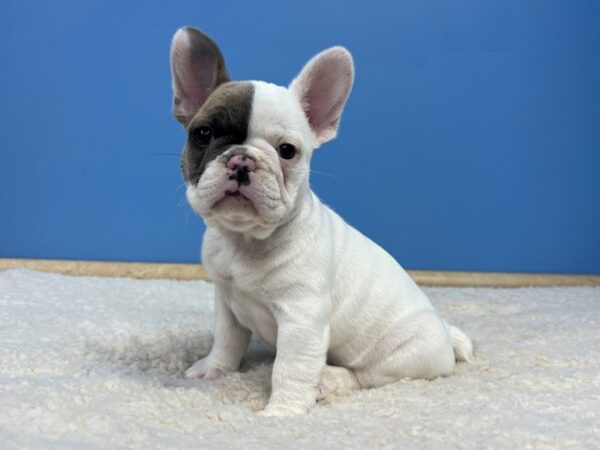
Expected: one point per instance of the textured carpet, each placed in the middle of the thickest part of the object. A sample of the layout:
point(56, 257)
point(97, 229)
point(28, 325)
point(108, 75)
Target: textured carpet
point(97, 363)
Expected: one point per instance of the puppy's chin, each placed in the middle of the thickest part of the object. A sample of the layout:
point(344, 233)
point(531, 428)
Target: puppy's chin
point(235, 213)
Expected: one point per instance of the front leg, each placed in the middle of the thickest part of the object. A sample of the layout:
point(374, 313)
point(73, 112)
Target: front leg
point(302, 343)
point(231, 341)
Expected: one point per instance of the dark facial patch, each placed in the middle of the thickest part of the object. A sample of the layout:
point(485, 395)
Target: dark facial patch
point(227, 113)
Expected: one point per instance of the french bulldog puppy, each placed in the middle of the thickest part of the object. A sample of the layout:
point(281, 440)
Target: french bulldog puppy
point(340, 311)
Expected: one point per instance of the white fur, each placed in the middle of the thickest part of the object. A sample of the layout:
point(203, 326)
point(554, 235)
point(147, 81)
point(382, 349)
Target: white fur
point(289, 270)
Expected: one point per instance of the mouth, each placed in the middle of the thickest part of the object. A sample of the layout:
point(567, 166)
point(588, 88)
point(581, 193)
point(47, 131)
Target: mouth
point(234, 198)
point(230, 193)
point(235, 210)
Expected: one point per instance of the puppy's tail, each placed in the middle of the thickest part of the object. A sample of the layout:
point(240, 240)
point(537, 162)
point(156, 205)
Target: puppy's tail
point(463, 348)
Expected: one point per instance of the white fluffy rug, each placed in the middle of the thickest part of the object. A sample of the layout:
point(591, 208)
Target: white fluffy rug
point(97, 363)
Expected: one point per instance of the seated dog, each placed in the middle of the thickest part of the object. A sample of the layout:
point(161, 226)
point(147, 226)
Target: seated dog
point(339, 309)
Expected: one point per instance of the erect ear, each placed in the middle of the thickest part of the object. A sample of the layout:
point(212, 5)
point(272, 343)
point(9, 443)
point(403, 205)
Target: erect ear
point(323, 86)
point(197, 67)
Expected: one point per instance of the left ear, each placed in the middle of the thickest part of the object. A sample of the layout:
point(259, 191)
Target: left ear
point(323, 87)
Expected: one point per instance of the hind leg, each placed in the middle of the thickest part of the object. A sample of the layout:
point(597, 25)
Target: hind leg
point(418, 347)
point(336, 380)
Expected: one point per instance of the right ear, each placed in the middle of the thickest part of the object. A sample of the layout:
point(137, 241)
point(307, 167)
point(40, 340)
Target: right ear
point(197, 68)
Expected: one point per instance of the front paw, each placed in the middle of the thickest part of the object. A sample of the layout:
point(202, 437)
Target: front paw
point(282, 411)
point(205, 369)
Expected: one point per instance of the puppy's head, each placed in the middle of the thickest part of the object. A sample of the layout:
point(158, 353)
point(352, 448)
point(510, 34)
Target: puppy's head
point(246, 159)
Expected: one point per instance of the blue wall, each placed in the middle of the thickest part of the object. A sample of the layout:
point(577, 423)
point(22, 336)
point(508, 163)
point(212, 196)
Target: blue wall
point(471, 140)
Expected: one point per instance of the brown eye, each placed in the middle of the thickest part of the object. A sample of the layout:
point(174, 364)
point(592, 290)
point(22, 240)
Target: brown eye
point(286, 151)
point(201, 135)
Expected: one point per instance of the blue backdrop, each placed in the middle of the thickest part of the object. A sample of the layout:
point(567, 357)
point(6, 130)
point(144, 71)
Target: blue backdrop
point(471, 140)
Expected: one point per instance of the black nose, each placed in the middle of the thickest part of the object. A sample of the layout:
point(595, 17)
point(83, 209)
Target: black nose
point(241, 176)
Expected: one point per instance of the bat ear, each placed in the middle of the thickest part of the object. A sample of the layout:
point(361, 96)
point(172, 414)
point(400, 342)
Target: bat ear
point(323, 87)
point(197, 68)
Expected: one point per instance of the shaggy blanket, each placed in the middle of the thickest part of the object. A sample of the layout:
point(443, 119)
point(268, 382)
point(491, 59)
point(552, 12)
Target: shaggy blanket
point(91, 362)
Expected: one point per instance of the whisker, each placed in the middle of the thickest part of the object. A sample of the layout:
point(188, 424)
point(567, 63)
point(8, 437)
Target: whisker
point(152, 155)
point(186, 208)
point(326, 174)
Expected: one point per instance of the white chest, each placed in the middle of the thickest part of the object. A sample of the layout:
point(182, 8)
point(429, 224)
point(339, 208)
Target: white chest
point(244, 292)
point(252, 312)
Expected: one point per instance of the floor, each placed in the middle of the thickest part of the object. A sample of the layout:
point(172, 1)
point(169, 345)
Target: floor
point(90, 362)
